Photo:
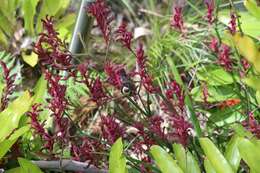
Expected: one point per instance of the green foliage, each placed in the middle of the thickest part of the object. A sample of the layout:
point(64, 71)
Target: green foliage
point(117, 160)
point(28, 166)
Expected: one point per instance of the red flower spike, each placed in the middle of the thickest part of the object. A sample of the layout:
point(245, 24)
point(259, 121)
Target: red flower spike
point(252, 125)
point(124, 36)
point(210, 10)
point(224, 58)
point(177, 19)
point(39, 127)
point(175, 89)
point(112, 71)
point(155, 126)
point(233, 23)
point(102, 14)
point(97, 93)
point(111, 130)
point(50, 49)
point(214, 45)
point(9, 85)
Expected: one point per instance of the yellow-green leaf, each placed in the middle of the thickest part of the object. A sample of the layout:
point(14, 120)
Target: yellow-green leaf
point(28, 167)
point(252, 7)
point(31, 60)
point(232, 153)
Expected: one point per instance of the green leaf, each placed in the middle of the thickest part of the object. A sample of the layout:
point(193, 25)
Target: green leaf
point(232, 153)
point(164, 161)
point(192, 164)
point(217, 160)
point(40, 90)
point(215, 76)
point(253, 82)
point(29, 9)
point(250, 153)
point(31, 60)
point(180, 155)
point(7, 144)
point(28, 167)
point(14, 170)
point(10, 117)
point(252, 7)
point(117, 160)
point(208, 167)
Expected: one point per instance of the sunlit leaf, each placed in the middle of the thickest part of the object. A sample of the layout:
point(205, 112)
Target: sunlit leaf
point(31, 59)
point(29, 9)
point(217, 160)
point(117, 160)
point(232, 153)
point(164, 161)
point(252, 7)
point(28, 167)
point(208, 167)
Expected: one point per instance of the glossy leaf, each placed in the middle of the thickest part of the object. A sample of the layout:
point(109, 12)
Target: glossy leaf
point(10, 117)
point(217, 160)
point(232, 153)
point(29, 9)
point(164, 161)
point(252, 7)
point(31, 60)
point(7, 144)
point(117, 160)
point(28, 167)
point(250, 153)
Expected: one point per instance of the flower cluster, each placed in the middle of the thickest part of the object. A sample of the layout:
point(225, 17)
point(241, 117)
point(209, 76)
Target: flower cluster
point(124, 36)
point(111, 130)
point(9, 80)
point(57, 103)
point(51, 50)
point(112, 71)
point(39, 127)
point(102, 14)
point(252, 125)
point(224, 57)
point(177, 19)
point(233, 23)
point(210, 10)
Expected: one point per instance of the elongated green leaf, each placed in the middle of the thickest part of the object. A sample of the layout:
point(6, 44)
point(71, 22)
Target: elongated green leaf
point(164, 161)
point(232, 153)
point(252, 7)
point(180, 155)
point(10, 117)
point(192, 164)
point(28, 167)
point(208, 167)
point(7, 144)
point(217, 160)
point(250, 153)
point(29, 9)
point(117, 160)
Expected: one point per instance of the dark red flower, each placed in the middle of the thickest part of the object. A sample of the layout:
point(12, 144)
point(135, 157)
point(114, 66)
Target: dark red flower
point(252, 125)
point(233, 23)
point(57, 103)
point(245, 64)
point(9, 80)
point(102, 14)
point(124, 36)
point(210, 10)
point(112, 71)
point(177, 19)
point(156, 126)
point(224, 57)
point(50, 49)
point(96, 90)
point(111, 129)
point(214, 45)
point(181, 130)
point(176, 90)
point(39, 127)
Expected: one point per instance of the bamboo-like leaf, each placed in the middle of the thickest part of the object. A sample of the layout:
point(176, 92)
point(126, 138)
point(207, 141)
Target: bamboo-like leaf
point(29, 9)
point(232, 153)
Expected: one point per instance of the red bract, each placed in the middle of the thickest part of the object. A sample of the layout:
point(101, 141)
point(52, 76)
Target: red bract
point(214, 45)
point(97, 93)
point(9, 85)
point(111, 130)
point(224, 58)
point(112, 71)
point(210, 10)
point(86, 151)
point(156, 126)
point(124, 36)
point(176, 90)
point(102, 14)
point(146, 79)
point(57, 103)
point(181, 130)
point(252, 125)
point(39, 127)
point(50, 49)
point(233, 23)
point(177, 19)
